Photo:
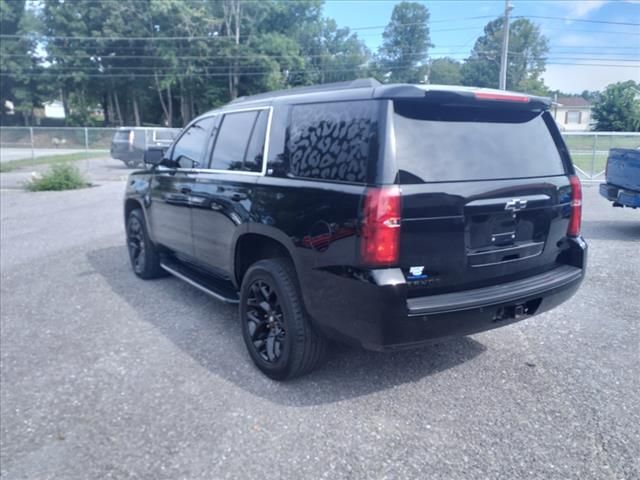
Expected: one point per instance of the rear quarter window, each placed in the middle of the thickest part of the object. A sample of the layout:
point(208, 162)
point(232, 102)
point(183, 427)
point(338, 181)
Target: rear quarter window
point(441, 144)
point(166, 135)
point(332, 141)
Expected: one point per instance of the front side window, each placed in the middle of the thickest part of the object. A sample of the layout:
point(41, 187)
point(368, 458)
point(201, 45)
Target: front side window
point(189, 148)
point(332, 141)
point(240, 141)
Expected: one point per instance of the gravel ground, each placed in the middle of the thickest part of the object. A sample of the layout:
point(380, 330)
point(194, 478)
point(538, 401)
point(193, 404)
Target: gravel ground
point(107, 376)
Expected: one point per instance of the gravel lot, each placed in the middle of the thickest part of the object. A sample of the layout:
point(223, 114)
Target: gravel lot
point(107, 376)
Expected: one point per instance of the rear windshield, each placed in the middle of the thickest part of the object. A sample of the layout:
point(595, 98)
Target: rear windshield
point(447, 144)
point(122, 135)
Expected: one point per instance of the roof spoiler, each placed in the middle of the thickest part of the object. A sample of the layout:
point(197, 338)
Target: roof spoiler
point(460, 96)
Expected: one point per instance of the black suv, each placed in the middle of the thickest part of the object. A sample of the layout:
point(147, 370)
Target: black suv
point(379, 215)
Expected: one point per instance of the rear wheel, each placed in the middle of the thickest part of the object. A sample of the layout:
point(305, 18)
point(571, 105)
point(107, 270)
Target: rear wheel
point(143, 254)
point(275, 326)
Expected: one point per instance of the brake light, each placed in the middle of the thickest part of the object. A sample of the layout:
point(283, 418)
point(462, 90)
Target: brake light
point(576, 207)
point(130, 139)
point(502, 97)
point(380, 241)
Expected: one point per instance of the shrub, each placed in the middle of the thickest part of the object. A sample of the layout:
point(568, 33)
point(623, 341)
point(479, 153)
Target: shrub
point(59, 177)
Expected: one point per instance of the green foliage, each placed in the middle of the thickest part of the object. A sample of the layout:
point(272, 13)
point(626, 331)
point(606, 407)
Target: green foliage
point(219, 50)
point(18, 64)
point(21, 163)
point(526, 59)
point(618, 108)
point(445, 71)
point(61, 176)
point(406, 42)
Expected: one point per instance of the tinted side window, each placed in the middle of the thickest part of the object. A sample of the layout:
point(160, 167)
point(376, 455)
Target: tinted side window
point(232, 142)
point(332, 141)
point(192, 143)
point(255, 150)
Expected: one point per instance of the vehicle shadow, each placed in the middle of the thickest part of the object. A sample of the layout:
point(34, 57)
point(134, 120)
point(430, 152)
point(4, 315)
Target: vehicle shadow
point(208, 331)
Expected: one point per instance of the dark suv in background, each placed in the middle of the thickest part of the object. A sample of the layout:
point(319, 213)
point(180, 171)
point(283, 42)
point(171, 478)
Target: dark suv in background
point(129, 143)
point(379, 215)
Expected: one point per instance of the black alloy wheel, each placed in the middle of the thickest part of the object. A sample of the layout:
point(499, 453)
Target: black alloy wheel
point(265, 321)
point(143, 254)
point(276, 327)
point(136, 244)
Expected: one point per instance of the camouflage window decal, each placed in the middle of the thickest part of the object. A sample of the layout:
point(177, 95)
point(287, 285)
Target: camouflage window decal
point(332, 141)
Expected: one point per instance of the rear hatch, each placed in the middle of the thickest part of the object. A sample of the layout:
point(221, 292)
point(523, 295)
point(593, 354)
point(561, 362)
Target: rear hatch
point(485, 194)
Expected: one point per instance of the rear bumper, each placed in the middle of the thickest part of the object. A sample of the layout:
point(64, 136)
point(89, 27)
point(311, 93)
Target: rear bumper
point(620, 196)
point(378, 315)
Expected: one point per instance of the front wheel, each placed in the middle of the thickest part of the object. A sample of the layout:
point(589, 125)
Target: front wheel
point(143, 254)
point(275, 326)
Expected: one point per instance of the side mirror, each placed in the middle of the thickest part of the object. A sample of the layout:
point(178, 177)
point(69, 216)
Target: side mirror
point(154, 155)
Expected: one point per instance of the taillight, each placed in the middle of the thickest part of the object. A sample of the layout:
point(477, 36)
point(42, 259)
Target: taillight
point(130, 139)
point(576, 207)
point(380, 242)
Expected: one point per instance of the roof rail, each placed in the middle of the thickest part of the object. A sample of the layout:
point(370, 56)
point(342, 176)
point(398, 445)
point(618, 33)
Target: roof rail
point(358, 83)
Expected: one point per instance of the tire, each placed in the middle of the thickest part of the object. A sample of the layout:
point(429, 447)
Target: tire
point(275, 326)
point(143, 254)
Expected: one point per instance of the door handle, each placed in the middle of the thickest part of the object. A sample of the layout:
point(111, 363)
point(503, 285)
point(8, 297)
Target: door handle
point(185, 190)
point(236, 197)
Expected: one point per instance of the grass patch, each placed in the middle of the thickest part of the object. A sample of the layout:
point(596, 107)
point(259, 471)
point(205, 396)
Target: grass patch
point(602, 142)
point(585, 162)
point(48, 159)
point(61, 176)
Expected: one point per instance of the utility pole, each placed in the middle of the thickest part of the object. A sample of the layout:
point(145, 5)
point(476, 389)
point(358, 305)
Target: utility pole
point(505, 46)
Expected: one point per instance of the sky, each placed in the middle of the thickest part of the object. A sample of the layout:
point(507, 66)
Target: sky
point(611, 50)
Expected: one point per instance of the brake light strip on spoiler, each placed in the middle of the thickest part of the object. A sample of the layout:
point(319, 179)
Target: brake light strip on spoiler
point(464, 96)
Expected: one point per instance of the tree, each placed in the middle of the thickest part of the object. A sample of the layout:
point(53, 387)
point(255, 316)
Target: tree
point(445, 71)
point(618, 108)
point(167, 61)
point(20, 83)
point(406, 42)
point(526, 59)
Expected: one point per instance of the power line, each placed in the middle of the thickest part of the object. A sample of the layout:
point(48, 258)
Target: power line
point(217, 36)
point(567, 19)
point(269, 72)
point(108, 63)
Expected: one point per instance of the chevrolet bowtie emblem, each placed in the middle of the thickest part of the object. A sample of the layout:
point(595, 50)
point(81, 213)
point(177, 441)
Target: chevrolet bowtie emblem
point(515, 205)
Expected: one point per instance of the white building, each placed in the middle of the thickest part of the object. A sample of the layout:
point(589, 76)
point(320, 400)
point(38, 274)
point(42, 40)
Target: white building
point(572, 113)
point(53, 109)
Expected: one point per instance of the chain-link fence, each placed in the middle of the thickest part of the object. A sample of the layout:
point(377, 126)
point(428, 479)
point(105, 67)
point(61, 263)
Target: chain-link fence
point(37, 145)
point(589, 150)
point(20, 143)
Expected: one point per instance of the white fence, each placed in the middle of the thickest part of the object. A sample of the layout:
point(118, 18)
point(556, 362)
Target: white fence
point(589, 150)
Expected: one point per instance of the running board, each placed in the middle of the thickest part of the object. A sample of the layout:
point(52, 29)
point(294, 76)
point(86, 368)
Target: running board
point(216, 289)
